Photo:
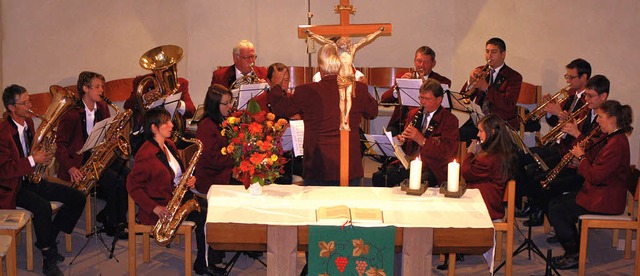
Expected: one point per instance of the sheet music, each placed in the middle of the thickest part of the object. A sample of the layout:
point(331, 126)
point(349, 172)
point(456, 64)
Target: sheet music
point(380, 144)
point(409, 91)
point(287, 140)
point(446, 96)
point(397, 149)
point(97, 134)
point(171, 103)
point(297, 135)
point(248, 91)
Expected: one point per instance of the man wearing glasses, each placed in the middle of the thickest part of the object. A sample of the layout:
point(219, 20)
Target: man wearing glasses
point(244, 57)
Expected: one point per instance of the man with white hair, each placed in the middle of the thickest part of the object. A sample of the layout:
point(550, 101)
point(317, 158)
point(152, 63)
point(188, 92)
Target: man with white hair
point(244, 57)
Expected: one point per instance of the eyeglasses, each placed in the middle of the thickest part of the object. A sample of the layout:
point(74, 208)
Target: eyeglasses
point(428, 99)
point(27, 102)
point(227, 103)
point(251, 57)
point(570, 77)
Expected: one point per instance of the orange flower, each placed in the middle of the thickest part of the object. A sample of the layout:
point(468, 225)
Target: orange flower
point(245, 166)
point(256, 158)
point(271, 116)
point(264, 146)
point(255, 128)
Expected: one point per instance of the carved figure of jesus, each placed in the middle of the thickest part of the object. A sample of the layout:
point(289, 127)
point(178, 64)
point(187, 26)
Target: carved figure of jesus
point(346, 78)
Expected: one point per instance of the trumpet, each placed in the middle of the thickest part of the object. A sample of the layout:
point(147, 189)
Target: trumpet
point(556, 133)
point(485, 72)
point(416, 73)
point(559, 97)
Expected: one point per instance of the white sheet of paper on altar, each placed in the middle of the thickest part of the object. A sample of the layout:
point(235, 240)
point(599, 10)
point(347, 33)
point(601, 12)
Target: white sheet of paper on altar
point(248, 91)
point(297, 136)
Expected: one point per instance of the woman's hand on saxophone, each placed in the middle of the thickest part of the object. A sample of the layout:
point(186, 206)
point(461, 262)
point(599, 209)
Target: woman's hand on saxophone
point(75, 174)
point(191, 182)
point(161, 211)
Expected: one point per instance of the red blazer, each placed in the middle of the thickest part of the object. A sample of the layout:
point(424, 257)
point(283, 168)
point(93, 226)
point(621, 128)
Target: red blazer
point(503, 95)
point(483, 172)
point(12, 165)
point(388, 97)
point(441, 146)
point(71, 136)
point(318, 103)
point(605, 177)
point(213, 167)
point(150, 182)
point(225, 76)
point(132, 101)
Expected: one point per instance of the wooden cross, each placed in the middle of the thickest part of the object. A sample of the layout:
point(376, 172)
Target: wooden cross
point(345, 9)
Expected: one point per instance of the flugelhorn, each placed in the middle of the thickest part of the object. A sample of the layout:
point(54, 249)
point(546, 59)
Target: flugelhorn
point(556, 133)
point(559, 97)
point(472, 85)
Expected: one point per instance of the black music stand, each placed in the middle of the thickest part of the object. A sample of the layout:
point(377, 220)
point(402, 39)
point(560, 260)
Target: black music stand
point(529, 245)
point(251, 254)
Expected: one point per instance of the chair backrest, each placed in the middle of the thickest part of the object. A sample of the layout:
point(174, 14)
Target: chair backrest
point(384, 76)
point(299, 75)
point(40, 102)
point(462, 152)
point(510, 198)
point(530, 94)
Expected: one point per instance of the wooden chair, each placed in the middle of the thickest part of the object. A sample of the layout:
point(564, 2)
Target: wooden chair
point(627, 220)
point(383, 77)
point(185, 229)
point(299, 75)
point(5, 243)
point(12, 230)
point(530, 94)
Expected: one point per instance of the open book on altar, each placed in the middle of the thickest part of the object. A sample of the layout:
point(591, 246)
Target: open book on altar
point(340, 214)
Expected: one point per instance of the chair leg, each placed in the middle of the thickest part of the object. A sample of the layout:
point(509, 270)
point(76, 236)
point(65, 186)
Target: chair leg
point(546, 225)
point(187, 252)
point(509, 252)
point(67, 243)
point(1, 260)
point(498, 255)
point(146, 256)
point(88, 218)
point(452, 264)
point(636, 267)
point(29, 245)
point(615, 237)
point(628, 239)
point(132, 252)
point(582, 259)
point(12, 263)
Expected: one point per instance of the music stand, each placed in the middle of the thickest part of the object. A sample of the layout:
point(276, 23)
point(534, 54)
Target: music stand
point(253, 255)
point(249, 91)
point(409, 92)
point(379, 148)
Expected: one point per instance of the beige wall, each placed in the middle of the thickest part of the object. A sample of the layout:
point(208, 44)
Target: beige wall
point(48, 42)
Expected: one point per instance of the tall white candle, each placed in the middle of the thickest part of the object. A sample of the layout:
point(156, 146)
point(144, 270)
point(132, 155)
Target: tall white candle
point(415, 174)
point(453, 176)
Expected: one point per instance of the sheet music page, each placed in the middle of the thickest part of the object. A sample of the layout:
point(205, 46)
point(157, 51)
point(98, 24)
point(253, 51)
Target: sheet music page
point(249, 91)
point(287, 140)
point(380, 144)
point(409, 91)
point(297, 135)
point(171, 103)
point(445, 97)
point(97, 134)
point(397, 149)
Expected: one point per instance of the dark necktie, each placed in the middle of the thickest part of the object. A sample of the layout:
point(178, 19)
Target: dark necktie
point(425, 122)
point(576, 98)
point(25, 136)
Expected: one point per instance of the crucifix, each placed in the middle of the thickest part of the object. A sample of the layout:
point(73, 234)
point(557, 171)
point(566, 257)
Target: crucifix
point(346, 50)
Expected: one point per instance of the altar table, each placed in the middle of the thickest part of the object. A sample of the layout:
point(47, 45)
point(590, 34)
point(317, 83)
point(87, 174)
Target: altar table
point(277, 221)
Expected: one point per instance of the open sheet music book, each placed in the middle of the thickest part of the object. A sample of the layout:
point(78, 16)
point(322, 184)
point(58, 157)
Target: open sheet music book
point(97, 134)
point(341, 214)
point(297, 136)
point(379, 144)
point(409, 91)
point(474, 110)
point(248, 91)
point(397, 149)
point(12, 217)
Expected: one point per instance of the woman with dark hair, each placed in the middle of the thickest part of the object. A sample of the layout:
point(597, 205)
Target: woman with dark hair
point(605, 180)
point(214, 167)
point(490, 163)
point(156, 171)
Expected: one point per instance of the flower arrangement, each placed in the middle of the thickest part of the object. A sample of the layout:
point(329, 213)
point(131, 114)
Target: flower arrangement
point(255, 144)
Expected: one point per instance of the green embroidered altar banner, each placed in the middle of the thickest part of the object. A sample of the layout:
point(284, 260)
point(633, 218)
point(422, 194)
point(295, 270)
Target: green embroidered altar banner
point(351, 250)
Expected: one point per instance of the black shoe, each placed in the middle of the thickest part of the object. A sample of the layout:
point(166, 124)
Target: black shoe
point(445, 265)
point(101, 217)
point(524, 212)
point(119, 230)
point(305, 270)
point(59, 258)
point(552, 239)
point(49, 263)
point(209, 270)
point(568, 261)
point(536, 219)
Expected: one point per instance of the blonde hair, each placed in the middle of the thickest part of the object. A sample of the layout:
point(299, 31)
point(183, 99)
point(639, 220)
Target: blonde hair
point(328, 59)
point(242, 44)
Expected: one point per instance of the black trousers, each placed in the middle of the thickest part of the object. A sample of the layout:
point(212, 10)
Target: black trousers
point(112, 186)
point(36, 198)
point(563, 216)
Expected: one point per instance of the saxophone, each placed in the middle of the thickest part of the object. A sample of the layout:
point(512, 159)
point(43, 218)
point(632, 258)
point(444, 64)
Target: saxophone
point(115, 142)
point(165, 229)
point(45, 138)
point(566, 159)
point(556, 133)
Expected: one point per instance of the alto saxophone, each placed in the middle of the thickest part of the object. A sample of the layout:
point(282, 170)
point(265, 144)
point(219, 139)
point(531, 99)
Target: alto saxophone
point(45, 138)
point(115, 141)
point(165, 229)
point(566, 159)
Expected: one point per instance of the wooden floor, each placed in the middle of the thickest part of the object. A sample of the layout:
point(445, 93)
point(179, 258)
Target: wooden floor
point(602, 259)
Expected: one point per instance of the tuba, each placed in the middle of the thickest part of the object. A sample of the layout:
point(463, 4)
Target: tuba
point(61, 100)
point(115, 142)
point(560, 97)
point(566, 159)
point(556, 133)
point(165, 229)
point(162, 61)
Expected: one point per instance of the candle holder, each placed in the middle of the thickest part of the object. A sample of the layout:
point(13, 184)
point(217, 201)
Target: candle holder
point(404, 186)
point(462, 188)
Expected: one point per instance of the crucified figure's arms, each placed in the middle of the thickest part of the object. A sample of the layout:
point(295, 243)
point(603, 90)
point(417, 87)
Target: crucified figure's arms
point(366, 39)
point(319, 38)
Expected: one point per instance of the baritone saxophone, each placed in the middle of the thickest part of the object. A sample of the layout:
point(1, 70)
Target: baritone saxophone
point(165, 229)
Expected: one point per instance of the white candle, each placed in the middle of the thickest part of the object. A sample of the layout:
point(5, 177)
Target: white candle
point(453, 176)
point(415, 174)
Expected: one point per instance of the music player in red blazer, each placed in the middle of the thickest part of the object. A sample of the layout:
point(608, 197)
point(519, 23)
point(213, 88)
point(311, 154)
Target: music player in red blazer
point(244, 57)
point(13, 165)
